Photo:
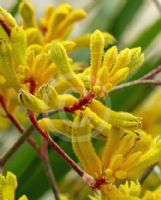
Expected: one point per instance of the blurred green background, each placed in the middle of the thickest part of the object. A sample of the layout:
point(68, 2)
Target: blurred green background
point(133, 23)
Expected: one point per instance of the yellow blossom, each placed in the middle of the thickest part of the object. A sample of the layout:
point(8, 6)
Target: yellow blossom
point(8, 187)
point(57, 22)
point(32, 103)
point(134, 153)
point(50, 96)
point(115, 66)
point(128, 191)
point(83, 148)
point(59, 57)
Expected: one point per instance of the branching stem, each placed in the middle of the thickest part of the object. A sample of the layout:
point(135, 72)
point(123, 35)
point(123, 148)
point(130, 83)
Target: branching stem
point(136, 82)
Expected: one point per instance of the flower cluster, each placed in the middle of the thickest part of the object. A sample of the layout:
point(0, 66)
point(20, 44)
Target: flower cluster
point(37, 72)
point(128, 191)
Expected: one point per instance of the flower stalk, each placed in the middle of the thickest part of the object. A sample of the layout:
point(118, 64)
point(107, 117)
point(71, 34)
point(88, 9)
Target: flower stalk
point(87, 178)
point(135, 83)
point(78, 105)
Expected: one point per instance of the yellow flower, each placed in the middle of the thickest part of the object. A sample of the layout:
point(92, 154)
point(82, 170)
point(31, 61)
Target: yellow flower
point(114, 68)
point(128, 191)
point(60, 58)
point(134, 153)
point(155, 195)
point(20, 66)
point(8, 187)
point(105, 70)
point(57, 24)
point(57, 21)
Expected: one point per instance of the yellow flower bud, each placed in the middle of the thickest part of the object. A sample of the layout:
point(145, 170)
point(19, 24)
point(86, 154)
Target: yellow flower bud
point(73, 17)
point(7, 21)
point(102, 77)
point(6, 68)
point(59, 56)
point(31, 102)
point(55, 20)
point(53, 99)
point(123, 60)
point(18, 41)
point(63, 127)
point(30, 57)
point(116, 119)
point(96, 48)
point(68, 45)
point(28, 14)
point(137, 58)
point(119, 76)
point(110, 57)
point(49, 11)
point(48, 74)
point(83, 41)
point(40, 64)
point(49, 95)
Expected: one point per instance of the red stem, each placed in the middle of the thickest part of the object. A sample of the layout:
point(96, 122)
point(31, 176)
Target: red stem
point(55, 146)
point(5, 26)
point(18, 125)
point(32, 85)
point(78, 105)
point(151, 74)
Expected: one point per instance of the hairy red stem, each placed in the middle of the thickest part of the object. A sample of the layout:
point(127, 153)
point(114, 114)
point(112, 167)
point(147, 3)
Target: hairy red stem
point(151, 74)
point(54, 145)
point(78, 105)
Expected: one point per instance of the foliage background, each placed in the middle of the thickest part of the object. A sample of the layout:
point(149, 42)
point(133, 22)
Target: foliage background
point(133, 23)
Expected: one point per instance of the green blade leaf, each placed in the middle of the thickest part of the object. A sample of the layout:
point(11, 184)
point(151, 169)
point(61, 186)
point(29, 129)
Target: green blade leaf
point(125, 17)
point(148, 35)
point(30, 170)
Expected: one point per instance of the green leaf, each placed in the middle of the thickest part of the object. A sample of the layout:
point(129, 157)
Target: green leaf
point(125, 17)
point(148, 35)
point(30, 170)
point(106, 9)
point(14, 9)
